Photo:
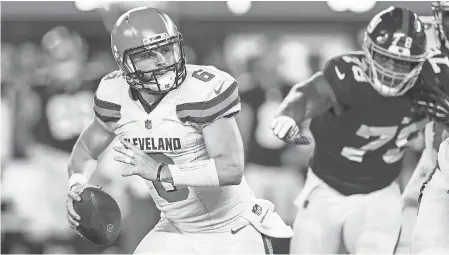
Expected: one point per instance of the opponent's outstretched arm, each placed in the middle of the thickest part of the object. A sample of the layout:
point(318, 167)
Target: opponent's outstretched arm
point(305, 100)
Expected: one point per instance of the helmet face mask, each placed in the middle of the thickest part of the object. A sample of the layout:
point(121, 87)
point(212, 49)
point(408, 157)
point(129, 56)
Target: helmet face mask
point(390, 81)
point(154, 68)
point(149, 50)
point(394, 51)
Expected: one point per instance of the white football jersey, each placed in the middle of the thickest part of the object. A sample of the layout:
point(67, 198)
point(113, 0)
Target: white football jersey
point(172, 133)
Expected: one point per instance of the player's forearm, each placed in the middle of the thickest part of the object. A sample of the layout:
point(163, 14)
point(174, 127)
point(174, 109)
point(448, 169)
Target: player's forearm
point(219, 171)
point(294, 105)
point(225, 166)
point(79, 159)
point(89, 146)
point(426, 163)
point(425, 166)
point(229, 169)
point(308, 99)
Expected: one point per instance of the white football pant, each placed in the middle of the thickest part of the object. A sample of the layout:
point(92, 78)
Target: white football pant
point(329, 222)
point(166, 238)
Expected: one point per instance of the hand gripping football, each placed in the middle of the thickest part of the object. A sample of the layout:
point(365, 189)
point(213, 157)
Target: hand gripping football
point(100, 216)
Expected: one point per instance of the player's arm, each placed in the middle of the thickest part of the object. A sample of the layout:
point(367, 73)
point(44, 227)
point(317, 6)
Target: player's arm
point(224, 144)
point(98, 134)
point(91, 143)
point(216, 118)
point(425, 166)
point(308, 99)
point(225, 165)
point(305, 100)
point(94, 139)
point(89, 146)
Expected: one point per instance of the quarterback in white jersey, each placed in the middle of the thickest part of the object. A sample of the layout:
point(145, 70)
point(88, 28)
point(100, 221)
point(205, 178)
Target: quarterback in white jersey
point(177, 127)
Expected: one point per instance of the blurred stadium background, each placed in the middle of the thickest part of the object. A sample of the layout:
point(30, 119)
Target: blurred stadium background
point(56, 52)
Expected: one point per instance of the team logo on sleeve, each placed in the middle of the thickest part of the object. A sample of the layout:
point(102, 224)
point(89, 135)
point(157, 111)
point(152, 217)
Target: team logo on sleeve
point(340, 75)
point(218, 90)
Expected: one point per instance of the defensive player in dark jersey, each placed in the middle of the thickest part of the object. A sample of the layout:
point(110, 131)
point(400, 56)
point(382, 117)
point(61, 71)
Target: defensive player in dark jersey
point(63, 93)
point(362, 122)
point(61, 100)
point(431, 232)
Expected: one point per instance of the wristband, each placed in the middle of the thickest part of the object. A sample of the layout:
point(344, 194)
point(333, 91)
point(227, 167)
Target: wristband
point(202, 173)
point(159, 170)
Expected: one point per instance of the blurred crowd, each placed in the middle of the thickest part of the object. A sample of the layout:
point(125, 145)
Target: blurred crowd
point(47, 96)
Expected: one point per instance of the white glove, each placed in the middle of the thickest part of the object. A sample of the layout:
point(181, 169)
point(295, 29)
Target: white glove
point(284, 127)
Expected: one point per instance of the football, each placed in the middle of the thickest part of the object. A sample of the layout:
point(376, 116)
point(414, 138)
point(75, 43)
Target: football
point(100, 216)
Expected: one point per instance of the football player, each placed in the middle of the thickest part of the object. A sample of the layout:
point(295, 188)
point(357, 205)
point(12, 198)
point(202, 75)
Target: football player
point(53, 102)
point(362, 122)
point(431, 234)
point(177, 130)
point(63, 91)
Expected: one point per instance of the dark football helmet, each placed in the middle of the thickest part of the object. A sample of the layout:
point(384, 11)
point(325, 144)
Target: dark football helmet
point(397, 35)
point(149, 37)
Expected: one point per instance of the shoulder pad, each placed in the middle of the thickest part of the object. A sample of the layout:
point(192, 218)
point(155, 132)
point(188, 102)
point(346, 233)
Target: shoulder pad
point(343, 72)
point(340, 67)
point(435, 70)
point(113, 75)
point(107, 104)
point(435, 62)
point(206, 95)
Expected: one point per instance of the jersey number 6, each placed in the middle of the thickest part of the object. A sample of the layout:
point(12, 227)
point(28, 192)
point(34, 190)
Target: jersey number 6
point(203, 75)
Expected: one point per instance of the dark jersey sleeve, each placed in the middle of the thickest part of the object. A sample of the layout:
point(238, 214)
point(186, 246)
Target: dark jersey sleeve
point(430, 93)
point(435, 72)
point(339, 75)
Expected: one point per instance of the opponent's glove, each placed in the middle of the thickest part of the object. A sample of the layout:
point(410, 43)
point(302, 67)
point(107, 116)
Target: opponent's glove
point(285, 128)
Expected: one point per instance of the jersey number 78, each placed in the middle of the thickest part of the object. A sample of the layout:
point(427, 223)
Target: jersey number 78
point(384, 135)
